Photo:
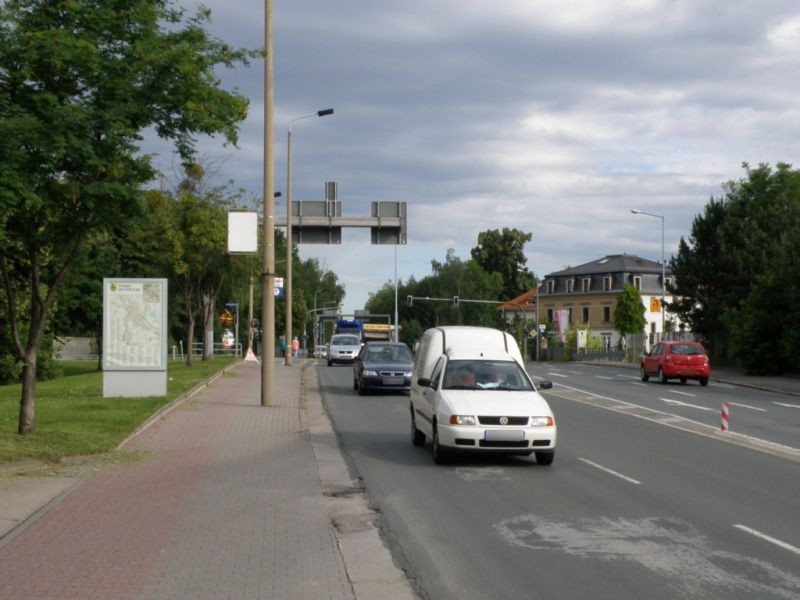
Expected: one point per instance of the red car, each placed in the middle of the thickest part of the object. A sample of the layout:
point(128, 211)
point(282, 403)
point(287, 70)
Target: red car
point(676, 360)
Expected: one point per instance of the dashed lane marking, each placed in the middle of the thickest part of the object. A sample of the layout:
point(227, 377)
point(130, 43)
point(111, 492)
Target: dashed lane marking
point(769, 538)
point(679, 403)
point(610, 471)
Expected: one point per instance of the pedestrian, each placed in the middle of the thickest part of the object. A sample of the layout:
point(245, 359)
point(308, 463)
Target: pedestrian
point(295, 346)
point(282, 345)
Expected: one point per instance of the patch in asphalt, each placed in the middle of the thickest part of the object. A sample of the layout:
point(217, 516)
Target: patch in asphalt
point(669, 547)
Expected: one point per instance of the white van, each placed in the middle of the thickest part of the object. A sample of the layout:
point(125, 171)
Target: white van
point(470, 393)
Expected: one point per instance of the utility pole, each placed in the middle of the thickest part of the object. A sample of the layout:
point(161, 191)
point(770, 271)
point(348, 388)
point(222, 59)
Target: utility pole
point(268, 275)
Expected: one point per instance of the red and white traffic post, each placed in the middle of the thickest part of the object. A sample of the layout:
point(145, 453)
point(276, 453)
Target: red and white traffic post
point(726, 406)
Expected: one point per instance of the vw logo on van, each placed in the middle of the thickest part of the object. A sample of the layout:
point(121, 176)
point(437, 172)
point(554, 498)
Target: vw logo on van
point(503, 420)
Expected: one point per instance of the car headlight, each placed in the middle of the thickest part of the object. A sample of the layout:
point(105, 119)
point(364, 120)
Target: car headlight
point(370, 373)
point(542, 422)
point(462, 420)
point(408, 373)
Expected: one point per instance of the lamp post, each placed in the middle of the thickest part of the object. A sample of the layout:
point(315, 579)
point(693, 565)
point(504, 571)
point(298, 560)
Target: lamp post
point(288, 283)
point(268, 266)
point(663, 269)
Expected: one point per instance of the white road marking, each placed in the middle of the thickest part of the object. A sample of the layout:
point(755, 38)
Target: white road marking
point(787, 405)
point(726, 386)
point(748, 406)
point(552, 374)
point(679, 403)
point(683, 393)
point(628, 376)
point(607, 470)
point(577, 372)
point(638, 383)
point(768, 538)
point(604, 377)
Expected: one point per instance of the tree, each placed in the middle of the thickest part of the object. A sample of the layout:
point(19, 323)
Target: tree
point(629, 313)
point(504, 253)
point(79, 82)
point(740, 248)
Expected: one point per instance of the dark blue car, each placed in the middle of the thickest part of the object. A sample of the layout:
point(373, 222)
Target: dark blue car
point(383, 366)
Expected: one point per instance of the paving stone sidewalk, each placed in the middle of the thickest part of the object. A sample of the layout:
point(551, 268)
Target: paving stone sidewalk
point(223, 499)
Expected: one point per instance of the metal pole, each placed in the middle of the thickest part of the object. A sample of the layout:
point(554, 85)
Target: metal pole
point(250, 318)
point(268, 275)
point(396, 323)
point(663, 280)
point(288, 283)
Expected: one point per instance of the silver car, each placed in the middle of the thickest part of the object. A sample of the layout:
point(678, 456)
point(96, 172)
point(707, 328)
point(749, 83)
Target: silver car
point(343, 348)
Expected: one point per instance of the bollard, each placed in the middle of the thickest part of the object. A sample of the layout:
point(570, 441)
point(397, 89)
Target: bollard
point(725, 412)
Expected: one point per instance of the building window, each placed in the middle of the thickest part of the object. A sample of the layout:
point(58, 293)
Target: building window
point(586, 284)
point(550, 315)
point(551, 286)
point(607, 280)
point(585, 311)
point(637, 282)
point(606, 314)
point(569, 316)
point(570, 286)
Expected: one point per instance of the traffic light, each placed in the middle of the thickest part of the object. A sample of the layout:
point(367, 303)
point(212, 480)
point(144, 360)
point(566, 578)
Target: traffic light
point(410, 300)
point(226, 318)
point(455, 301)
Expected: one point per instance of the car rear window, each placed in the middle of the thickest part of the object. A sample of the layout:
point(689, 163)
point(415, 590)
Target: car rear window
point(687, 349)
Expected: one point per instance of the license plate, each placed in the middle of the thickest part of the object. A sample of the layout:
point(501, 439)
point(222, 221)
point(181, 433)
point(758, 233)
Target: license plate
point(392, 381)
point(503, 435)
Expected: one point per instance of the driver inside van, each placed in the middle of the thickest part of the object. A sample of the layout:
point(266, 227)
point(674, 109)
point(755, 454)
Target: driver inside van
point(461, 377)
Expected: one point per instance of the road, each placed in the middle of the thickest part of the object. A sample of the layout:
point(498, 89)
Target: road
point(635, 505)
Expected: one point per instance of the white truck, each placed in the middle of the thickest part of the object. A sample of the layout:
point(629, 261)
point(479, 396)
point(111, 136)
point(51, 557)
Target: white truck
point(470, 393)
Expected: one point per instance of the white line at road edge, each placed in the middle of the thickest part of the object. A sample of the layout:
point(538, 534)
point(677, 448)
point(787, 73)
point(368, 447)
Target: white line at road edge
point(768, 538)
point(607, 470)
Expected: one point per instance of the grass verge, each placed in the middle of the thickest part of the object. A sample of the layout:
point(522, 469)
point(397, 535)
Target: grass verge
point(73, 418)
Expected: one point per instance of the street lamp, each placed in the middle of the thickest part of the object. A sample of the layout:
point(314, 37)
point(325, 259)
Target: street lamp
point(288, 282)
point(663, 271)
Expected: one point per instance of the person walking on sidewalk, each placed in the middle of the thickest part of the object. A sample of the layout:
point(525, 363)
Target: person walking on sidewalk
point(295, 346)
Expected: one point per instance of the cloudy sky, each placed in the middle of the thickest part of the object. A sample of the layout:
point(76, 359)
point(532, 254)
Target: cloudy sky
point(556, 117)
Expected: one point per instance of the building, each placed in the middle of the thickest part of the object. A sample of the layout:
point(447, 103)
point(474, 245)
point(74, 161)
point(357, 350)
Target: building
point(588, 294)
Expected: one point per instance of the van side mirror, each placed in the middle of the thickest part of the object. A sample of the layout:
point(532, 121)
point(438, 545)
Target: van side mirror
point(424, 382)
point(545, 384)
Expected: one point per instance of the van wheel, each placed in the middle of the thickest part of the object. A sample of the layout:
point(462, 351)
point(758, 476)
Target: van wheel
point(661, 376)
point(440, 455)
point(645, 377)
point(545, 458)
point(417, 437)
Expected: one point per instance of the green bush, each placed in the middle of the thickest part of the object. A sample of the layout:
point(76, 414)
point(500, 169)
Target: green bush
point(10, 369)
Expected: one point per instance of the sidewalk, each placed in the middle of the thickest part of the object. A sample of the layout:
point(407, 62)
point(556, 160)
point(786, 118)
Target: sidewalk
point(222, 498)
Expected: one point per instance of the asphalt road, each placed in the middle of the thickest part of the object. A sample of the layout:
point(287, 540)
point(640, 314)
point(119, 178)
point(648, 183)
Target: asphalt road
point(632, 507)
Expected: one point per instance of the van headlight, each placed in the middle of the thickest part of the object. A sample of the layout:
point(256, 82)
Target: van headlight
point(542, 422)
point(462, 420)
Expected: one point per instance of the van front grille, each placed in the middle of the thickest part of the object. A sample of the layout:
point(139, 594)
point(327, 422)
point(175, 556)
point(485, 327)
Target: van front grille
point(484, 420)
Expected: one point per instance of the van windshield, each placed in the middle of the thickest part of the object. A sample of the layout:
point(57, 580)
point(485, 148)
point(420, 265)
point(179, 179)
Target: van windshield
point(345, 340)
point(485, 375)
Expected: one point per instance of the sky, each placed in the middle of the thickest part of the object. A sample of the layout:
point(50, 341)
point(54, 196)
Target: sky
point(553, 117)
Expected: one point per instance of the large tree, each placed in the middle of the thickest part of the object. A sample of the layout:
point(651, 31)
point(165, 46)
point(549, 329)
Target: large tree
point(736, 273)
point(79, 82)
point(629, 312)
point(503, 252)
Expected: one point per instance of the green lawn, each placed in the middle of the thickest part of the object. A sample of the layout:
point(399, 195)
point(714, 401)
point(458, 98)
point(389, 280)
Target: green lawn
point(73, 418)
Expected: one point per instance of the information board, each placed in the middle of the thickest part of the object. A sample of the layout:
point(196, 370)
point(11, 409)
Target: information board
point(135, 324)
